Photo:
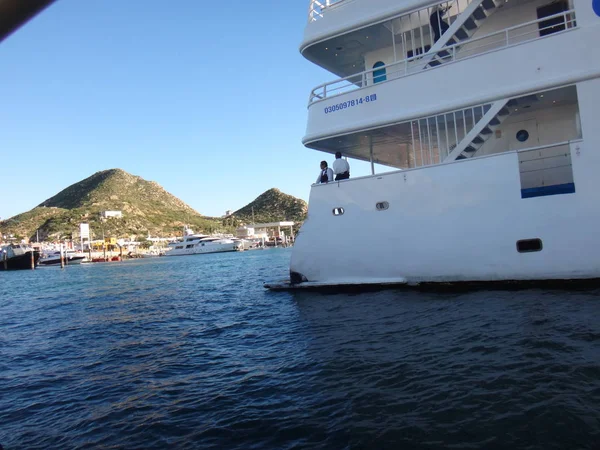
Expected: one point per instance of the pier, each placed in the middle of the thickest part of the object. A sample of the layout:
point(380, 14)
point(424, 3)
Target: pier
point(267, 231)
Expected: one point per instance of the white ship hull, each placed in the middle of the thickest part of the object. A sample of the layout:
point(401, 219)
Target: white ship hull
point(195, 244)
point(69, 260)
point(197, 250)
point(456, 222)
point(495, 123)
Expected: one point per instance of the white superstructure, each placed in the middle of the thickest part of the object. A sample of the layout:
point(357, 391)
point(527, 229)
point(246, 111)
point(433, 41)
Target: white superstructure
point(192, 244)
point(486, 115)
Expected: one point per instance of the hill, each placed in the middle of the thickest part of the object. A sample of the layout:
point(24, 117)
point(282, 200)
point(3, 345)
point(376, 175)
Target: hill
point(146, 208)
point(271, 206)
point(115, 187)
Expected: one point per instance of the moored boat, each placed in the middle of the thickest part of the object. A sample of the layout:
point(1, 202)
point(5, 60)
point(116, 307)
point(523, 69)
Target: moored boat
point(193, 244)
point(18, 256)
point(70, 257)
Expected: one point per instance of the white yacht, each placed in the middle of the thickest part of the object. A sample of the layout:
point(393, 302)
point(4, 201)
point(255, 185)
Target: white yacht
point(193, 244)
point(483, 113)
point(70, 257)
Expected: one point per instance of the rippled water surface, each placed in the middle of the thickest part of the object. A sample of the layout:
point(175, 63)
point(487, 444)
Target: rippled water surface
point(192, 352)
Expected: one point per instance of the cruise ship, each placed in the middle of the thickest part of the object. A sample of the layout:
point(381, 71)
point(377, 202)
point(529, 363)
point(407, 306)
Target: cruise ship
point(483, 114)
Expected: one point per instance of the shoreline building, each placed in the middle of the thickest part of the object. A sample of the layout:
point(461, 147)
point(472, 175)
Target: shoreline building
point(111, 215)
point(269, 230)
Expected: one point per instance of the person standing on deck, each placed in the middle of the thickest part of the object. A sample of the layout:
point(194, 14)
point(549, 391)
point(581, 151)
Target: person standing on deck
point(341, 168)
point(326, 174)
point(438, 25)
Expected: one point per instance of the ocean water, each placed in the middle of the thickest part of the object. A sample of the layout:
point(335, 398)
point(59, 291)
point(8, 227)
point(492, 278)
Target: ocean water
point(192, 353)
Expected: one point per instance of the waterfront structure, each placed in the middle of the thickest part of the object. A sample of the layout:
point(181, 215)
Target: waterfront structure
point(265, 230)
point(485, 113)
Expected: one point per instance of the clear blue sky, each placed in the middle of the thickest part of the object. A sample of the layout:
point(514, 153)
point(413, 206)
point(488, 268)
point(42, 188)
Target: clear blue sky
point(206, 98)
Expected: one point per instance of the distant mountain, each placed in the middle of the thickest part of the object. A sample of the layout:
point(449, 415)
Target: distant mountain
point(146, 208)
point(115, 187)
point(273, 206)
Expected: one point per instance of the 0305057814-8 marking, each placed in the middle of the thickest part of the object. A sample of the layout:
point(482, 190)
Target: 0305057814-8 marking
point(350, 103)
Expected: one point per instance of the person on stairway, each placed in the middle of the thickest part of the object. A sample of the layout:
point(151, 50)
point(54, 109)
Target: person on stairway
point(436, 20)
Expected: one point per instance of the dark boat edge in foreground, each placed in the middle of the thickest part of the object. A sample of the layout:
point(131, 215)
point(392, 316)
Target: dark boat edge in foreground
point(461, 286)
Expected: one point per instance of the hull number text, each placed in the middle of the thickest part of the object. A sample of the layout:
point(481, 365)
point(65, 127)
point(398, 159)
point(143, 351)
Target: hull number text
point(351, 103)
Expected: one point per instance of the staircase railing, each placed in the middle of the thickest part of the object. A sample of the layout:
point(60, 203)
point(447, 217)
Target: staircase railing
point(317, 8)
point(435, 137)
point(477, 129)
point(505, 38)
point(452, 29)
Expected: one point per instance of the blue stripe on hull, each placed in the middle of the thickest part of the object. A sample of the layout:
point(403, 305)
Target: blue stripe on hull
point(567, 188)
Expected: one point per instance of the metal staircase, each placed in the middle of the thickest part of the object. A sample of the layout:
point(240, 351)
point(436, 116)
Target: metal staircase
point(463, 27)
point(481, 131)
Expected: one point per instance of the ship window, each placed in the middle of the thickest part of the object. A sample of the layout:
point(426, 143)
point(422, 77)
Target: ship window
point(529, 245)
point(382, 206)
point(338, 211)
point(379, 75)
point(555, 24)
point(522, 135)
point(189, 246)
point(179, 247)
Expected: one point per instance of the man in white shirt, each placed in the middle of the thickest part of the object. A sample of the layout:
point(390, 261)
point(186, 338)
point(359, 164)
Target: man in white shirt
point(326, 174)
point(341, 168)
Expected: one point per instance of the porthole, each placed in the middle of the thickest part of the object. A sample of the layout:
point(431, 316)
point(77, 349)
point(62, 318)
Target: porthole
point(338, 211)
point(529, 245)
point(382, 206)
point(522, 135)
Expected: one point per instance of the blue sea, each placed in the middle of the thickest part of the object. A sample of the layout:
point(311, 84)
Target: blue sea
point(193, 353)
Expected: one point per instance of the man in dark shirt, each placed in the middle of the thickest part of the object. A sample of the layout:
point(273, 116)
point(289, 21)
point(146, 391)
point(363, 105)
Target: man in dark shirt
point(437, 22)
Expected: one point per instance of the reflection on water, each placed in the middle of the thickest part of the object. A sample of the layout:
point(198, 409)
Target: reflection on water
point(192, 352)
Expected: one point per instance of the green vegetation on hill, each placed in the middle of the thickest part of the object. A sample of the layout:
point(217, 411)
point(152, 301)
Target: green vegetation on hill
point(273, 206)
point(146, 208)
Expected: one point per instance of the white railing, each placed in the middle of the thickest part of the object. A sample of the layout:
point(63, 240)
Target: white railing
point(566, 145)
point(317, 8)
point(508, 37)
point(434, 137)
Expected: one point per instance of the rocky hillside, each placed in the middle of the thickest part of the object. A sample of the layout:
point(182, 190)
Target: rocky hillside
point(145, 205)
point(273, 205)
point(115, 187)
